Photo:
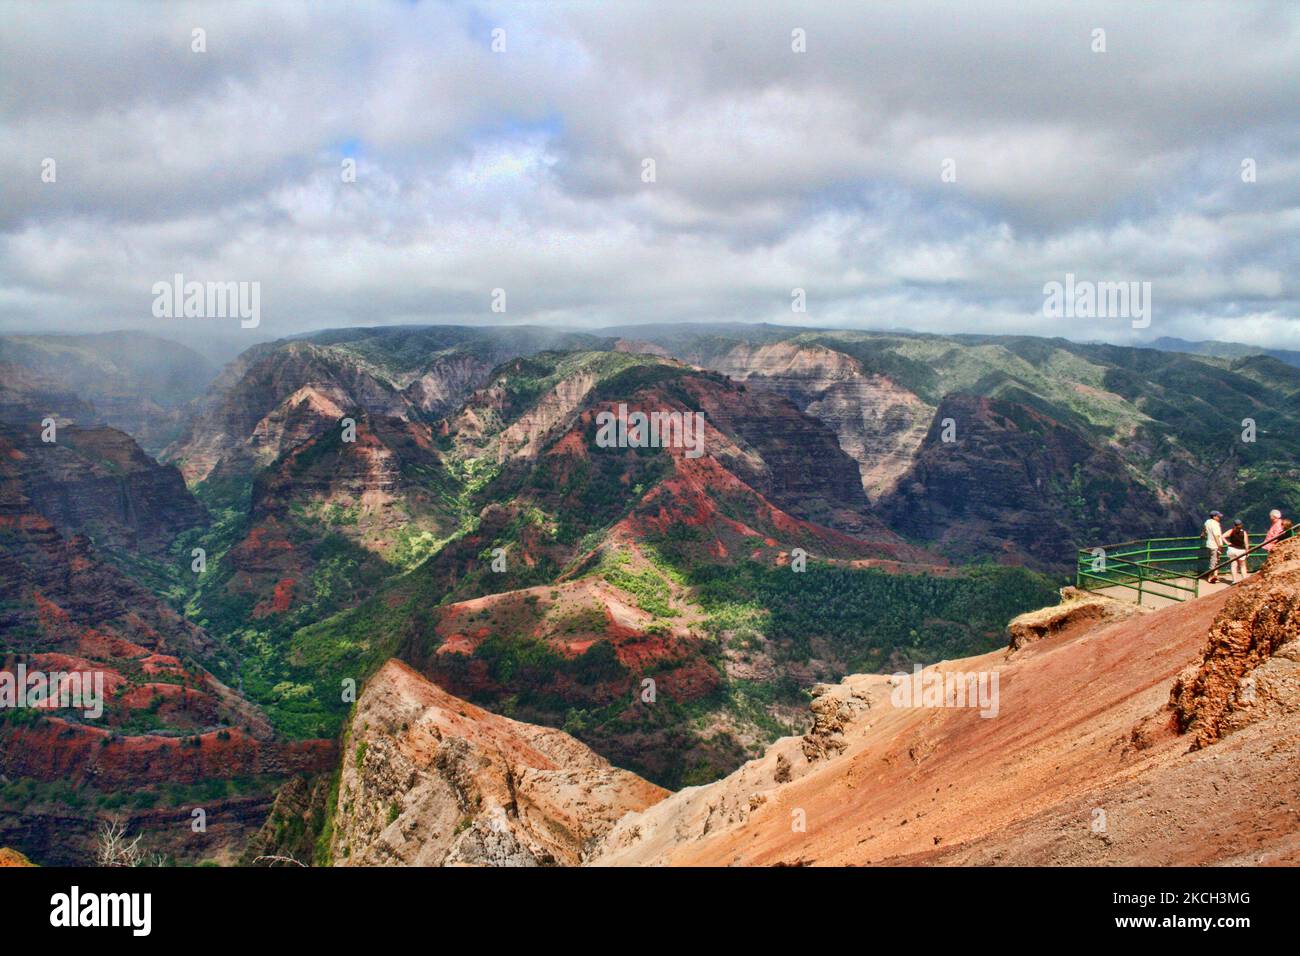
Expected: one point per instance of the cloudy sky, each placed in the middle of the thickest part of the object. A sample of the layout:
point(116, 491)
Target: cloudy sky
point(523, 168)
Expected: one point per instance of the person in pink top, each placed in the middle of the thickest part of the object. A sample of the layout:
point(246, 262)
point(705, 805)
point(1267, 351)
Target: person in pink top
point(1275, 530)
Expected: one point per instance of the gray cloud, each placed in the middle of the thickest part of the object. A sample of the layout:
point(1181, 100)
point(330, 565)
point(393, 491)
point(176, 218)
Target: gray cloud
point(775, 170)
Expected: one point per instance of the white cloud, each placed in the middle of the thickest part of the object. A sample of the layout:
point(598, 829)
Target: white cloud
point(521, 169)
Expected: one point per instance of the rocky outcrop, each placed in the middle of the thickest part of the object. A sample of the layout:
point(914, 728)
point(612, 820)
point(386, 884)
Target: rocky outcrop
point(998, 480)
point(98, 482)
point(878, 423)
point(1250, 669)
point(755, 790)
point(310, 411)
point(381, 496)
point(429, 779)
point(56, 592)
point(785, 455)
point(834, 709)
point(523, 434)
point(1078, 611)
point(441, 387)
point(373, 490)
point(273, 398)
point(85, 477)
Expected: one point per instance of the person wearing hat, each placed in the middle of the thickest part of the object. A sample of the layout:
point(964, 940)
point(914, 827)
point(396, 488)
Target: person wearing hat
point(1238, 542)
point(1213, 535)
point(1275, 530)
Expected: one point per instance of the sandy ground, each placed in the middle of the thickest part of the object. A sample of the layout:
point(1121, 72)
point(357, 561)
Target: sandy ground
point(1158, 594)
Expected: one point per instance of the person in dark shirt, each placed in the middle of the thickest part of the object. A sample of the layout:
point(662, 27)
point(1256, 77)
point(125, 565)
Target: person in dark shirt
point(1238, 542)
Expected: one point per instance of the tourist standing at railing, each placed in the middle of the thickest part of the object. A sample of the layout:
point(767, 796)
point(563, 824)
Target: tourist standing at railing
point(1238, 542)
point(1275, 530)
point(1213, 535)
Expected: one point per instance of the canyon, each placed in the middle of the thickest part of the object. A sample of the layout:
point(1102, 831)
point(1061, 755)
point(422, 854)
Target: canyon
point(572, 653)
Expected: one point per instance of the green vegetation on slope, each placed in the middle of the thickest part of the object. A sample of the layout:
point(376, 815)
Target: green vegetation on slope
point(834, 619)
point(866, 619)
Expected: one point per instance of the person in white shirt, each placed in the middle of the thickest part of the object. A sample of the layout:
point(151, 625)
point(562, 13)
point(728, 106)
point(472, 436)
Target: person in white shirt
point(1213, 534)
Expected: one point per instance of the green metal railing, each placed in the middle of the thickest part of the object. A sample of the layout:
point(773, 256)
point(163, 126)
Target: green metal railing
point(1172, 568)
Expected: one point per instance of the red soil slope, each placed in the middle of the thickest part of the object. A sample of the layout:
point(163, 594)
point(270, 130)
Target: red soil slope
point(1083, 763)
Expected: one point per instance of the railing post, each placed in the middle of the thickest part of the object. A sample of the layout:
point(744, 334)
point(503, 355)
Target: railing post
point(1142, 555)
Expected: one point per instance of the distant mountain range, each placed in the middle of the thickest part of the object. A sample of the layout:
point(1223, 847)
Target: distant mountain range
point(1225, 349)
